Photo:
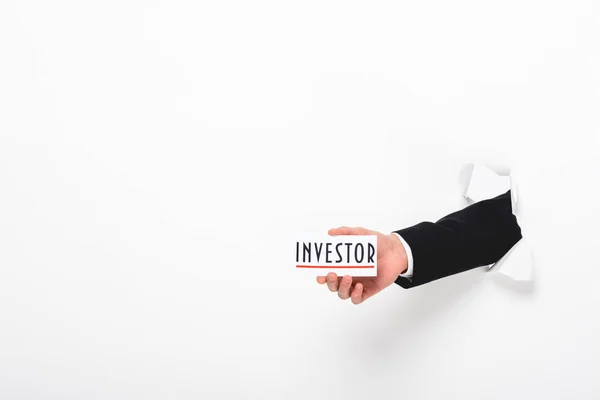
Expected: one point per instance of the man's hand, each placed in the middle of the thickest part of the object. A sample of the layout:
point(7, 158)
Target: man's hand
point(391, 262)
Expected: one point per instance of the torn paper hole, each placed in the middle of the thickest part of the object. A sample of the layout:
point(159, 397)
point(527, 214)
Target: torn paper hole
point(478, 183)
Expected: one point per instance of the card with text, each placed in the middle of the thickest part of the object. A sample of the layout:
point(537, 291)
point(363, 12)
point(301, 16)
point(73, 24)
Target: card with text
point(345, 255)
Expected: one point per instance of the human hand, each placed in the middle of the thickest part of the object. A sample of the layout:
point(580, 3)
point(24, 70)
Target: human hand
point(391, 262)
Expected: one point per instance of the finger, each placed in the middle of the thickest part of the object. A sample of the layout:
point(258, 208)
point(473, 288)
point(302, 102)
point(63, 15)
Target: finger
point(344, 290)
point(332, 282)
point(357, 293)
point(321, 279)
point(346, 230)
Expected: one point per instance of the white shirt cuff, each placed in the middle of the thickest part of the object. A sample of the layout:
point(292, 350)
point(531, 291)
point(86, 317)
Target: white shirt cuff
point(409, 256)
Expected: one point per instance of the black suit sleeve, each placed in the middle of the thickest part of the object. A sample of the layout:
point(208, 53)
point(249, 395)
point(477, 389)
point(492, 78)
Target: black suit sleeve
point(477, 235)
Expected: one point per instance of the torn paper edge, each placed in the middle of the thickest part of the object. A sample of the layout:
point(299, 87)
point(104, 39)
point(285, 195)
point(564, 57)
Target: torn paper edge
point(476, 183)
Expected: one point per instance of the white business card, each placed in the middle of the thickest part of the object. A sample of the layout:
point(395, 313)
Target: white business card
point(345, 255)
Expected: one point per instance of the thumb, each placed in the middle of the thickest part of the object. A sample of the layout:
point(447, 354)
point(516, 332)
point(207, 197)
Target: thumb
point(345, 230)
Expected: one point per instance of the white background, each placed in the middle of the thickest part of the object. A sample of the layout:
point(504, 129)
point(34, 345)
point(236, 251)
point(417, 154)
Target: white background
point(158, 158)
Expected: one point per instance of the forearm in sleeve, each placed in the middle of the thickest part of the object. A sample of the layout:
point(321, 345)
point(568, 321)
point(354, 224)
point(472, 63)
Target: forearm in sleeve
point(477, 235)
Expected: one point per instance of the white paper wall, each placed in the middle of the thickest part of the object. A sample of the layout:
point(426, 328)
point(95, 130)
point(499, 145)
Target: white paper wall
point(158, 158)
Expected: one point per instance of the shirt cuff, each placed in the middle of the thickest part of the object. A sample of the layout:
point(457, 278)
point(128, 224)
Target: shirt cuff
point(409, 256)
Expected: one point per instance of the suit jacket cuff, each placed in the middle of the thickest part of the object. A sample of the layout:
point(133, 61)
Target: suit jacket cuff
point(409, 271)
point(417, 238)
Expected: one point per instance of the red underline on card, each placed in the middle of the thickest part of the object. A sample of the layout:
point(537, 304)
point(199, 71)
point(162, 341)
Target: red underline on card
point(331, 266)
